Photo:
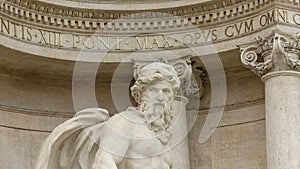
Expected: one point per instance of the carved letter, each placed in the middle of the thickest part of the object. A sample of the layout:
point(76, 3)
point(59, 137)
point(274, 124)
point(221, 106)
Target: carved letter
point(295, 16)
point(141, 45)
point(238, 29)
point(15, 29)
point(58, 41)
point(50, 38)
point(88, 41)
point(29, 37)
point(189, 40)
point(5, 25)
point(249, 27)
point(23, 32)
point(214, 34)
point(102, 41)
point(226, 31)
point(166, 42)
point(155, 42)
point(283, 15)
point(118, 43)
point(266, 19)
point(206, 36)
point(76, 41)
point(197, 36)
point(43, 39)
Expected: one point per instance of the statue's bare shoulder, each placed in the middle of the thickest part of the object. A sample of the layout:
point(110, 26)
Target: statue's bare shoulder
point(125, 122)
point(136, 138)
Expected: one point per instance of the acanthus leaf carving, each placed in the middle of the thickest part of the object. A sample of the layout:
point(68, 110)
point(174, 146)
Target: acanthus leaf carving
point(293, 60)
point(294, 63)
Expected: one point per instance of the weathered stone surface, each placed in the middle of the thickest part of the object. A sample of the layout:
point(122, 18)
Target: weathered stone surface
point(238, 142)
point(283, 119)
point(276, 59)
point(36, 73)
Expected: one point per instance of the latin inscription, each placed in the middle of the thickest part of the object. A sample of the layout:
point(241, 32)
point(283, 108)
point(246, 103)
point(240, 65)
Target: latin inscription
point(145, 42)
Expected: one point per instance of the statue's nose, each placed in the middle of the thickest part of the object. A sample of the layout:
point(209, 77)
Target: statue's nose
point(160, 96)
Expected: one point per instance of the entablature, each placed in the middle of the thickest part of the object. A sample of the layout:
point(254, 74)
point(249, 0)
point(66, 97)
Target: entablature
point(32, 28)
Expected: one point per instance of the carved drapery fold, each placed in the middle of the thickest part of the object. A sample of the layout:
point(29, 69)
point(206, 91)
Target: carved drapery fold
point(275, 52)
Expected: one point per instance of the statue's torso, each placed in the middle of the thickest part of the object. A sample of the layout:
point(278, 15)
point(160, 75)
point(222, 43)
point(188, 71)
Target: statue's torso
point(145, 150)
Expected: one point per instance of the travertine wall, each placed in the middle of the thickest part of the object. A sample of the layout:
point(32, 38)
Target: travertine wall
point(238, 144)
point(33, 109)
point(36, 72)
point(239, 140)
point(30, 108)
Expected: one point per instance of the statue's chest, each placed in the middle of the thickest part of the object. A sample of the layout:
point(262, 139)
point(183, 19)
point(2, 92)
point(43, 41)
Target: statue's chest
point(145, 142)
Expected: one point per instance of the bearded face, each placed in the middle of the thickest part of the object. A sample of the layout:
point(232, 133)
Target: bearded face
point(157, 103)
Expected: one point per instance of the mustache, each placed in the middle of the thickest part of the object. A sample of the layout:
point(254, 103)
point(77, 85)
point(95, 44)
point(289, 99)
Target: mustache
point(148, 109)
point(157, 118)
point(154, 108)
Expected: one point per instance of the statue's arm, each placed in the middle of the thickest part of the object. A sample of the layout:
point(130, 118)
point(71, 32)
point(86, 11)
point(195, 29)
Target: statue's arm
point(106, 160)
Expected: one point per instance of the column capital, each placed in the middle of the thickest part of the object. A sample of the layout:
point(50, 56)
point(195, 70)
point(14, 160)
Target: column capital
point(190, 86)
point(276, 52)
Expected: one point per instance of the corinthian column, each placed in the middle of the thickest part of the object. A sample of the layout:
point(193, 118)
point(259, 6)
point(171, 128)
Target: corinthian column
point(275, 59)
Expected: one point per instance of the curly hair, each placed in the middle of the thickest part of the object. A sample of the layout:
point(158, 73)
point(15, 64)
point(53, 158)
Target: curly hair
point(151, 75)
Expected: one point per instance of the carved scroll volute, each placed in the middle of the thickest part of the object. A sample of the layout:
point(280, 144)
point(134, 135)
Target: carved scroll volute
point(251, 59)
point(189, 84)
point(249, 56)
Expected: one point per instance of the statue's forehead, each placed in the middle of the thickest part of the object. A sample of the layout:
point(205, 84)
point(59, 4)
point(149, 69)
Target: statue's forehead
point(161, 84)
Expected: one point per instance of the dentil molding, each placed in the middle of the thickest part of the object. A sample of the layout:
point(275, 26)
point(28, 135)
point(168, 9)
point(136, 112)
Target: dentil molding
point(65, 17)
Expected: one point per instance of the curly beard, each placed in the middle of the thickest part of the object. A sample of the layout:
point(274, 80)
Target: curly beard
point(158, 119)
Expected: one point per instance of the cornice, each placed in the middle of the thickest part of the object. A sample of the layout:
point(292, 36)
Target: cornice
point(79, 19)
point(125, 5)
point(66, 11)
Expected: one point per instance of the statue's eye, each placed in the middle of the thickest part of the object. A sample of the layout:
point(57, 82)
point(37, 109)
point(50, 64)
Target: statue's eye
point(153, 89)
point(166, 90)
